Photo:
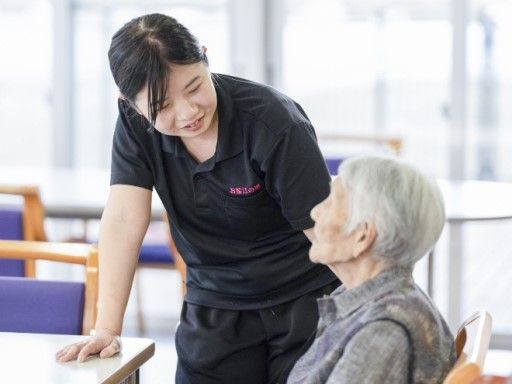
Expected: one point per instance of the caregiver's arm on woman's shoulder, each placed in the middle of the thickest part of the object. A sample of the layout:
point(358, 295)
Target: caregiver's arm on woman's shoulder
point(124, 223)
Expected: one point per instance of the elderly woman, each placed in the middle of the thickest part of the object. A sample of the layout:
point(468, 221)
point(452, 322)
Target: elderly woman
point(380, 218)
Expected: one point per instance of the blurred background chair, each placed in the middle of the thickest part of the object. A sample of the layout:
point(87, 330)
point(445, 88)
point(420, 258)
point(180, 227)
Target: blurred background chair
point(43, 306)
point(471, 344)
point(23, 221)
point(378, 144)
point(162, 255)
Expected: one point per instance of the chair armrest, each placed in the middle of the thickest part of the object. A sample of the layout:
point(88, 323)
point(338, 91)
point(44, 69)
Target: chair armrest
point(464, 373)
point(53, 251)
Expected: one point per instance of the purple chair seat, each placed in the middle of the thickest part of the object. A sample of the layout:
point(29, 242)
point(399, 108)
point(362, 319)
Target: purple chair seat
point(155, 253)
point(41, 306)
point(11, 228)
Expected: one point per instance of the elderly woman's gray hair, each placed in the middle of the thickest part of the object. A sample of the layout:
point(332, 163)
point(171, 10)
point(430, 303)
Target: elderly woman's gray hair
point(406, 207)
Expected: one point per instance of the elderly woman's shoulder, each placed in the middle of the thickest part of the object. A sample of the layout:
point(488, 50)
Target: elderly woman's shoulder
point(429, 333)
point(410, 304)
point(415, 311)
point(412, 309)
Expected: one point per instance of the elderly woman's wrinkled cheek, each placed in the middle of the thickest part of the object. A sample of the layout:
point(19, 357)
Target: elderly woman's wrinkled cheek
point(328, 232)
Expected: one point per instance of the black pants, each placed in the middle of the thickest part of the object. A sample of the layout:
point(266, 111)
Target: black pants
point(249, 346)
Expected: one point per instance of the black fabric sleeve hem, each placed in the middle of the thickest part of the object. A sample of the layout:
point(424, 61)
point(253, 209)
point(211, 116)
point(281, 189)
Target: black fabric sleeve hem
point(140, 182)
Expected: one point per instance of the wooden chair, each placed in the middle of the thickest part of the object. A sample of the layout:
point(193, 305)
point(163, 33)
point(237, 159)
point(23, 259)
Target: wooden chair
point(392, 142)
point(471, 358)
point(43, 306)
point(25, 222)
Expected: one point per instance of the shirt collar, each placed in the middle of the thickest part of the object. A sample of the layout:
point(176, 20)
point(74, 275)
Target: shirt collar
point(343, 302)
point(230, 140)
point(230, 135)
point(171, 144)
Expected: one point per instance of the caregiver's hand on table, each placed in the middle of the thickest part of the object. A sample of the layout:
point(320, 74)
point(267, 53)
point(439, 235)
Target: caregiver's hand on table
point(105, 342)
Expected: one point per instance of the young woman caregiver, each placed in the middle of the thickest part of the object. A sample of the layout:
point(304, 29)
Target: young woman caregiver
point(238, 169)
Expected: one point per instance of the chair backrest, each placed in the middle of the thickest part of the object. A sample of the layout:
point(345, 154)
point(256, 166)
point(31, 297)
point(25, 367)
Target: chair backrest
point(25, 222)
point(37, 306)
point(156, 254)
point(390, 143)
point(471, 344)
point(332, 164)
point(164, 255)
point(11, 228)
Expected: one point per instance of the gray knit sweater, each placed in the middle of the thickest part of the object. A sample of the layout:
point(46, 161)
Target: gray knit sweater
point(384, 331)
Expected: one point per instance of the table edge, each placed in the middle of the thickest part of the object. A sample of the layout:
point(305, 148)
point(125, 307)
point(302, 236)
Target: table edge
point(130, 367)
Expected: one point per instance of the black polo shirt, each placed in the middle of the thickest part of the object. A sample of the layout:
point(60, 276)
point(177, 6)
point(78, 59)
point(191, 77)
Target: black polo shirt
point(237, 218)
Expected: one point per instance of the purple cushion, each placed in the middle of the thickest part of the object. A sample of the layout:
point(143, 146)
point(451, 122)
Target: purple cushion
point(155, 253)
point(41, 306)
point(11, 228)
point(332, 164)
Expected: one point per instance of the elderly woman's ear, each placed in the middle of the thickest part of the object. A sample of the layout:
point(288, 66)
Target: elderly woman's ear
point(364, 238)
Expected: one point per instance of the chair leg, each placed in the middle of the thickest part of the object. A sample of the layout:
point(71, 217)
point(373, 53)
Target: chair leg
point(30, 268)
point(138, 300)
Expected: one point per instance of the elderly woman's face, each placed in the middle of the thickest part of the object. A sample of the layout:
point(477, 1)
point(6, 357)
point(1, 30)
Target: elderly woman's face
point(331, 244)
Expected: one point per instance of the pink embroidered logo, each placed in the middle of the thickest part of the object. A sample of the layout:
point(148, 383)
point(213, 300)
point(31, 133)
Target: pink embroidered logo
point(240, 191)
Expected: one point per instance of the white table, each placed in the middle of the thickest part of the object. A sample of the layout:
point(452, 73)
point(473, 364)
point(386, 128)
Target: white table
point(70, 193)
point(467, 201)
point(30, 358)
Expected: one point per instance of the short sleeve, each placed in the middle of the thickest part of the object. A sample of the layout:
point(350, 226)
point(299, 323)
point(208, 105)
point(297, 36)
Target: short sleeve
point(296, 174)
point(378, 353)
point(130, 163)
